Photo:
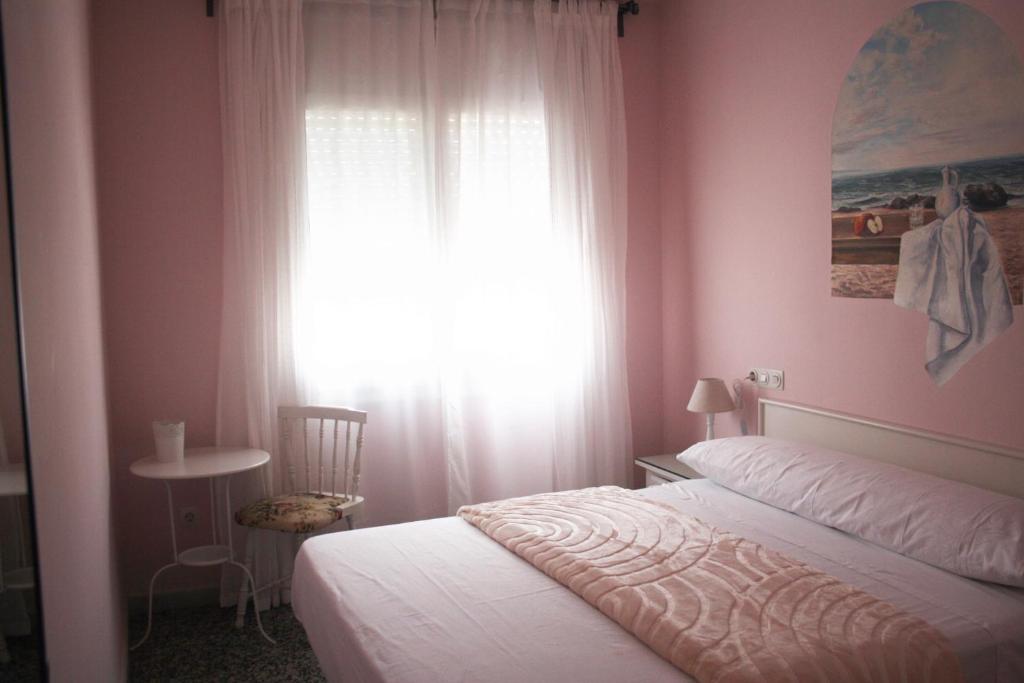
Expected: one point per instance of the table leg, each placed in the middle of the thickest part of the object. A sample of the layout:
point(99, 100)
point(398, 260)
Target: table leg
point(149, 612)
point(227, 499)
point(213, 514)
point(255, 607)
point(152, 581)
point(170, 512)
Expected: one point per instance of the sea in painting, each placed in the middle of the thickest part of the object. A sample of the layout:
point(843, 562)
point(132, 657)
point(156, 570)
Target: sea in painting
point(938, 87)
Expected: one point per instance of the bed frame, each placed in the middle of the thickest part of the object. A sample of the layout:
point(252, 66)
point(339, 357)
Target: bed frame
point(991, 467)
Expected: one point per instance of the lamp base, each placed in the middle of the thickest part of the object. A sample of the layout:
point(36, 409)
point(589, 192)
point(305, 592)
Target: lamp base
point(711, 427)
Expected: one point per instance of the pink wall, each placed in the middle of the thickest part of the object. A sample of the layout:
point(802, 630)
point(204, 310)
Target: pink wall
point(55, 218)
point(641, 73)
point(749, 89)
point(158, 154)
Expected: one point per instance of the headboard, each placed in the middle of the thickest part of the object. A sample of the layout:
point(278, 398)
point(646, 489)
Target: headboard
point(991, 467)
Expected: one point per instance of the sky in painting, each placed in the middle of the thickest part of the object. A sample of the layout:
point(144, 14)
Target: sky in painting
point(939, 84)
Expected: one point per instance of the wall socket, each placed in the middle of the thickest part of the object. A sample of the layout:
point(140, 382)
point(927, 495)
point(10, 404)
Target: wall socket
point(770, 379)
point(189, 516)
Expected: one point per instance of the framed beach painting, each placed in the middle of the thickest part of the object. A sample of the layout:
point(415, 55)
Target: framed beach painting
point(928, 129)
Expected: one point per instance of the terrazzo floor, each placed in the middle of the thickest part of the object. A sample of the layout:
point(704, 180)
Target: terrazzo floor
point(202, 644)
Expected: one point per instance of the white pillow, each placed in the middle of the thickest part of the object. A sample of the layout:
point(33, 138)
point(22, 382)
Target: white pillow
point(957, 527)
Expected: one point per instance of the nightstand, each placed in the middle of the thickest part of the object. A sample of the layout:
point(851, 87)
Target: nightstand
point(662, 469)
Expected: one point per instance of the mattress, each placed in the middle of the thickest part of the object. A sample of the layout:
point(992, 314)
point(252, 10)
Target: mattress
point(438, 600)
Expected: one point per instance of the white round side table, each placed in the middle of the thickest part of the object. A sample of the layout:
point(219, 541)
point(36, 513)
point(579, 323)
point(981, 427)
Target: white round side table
point(202, 463)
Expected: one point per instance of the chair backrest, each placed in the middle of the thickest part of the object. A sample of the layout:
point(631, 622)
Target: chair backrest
point(331, 464)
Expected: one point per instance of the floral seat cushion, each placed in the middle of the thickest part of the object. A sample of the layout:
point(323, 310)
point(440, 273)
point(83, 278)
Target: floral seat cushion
point(295, 512)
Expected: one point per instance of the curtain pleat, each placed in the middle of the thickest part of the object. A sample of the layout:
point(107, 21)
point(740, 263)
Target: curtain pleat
point(263, 120)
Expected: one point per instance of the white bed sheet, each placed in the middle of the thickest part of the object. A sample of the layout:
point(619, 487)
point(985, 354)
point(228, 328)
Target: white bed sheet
point(439, 601)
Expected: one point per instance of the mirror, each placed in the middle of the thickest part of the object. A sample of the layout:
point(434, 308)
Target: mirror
point(21, 642)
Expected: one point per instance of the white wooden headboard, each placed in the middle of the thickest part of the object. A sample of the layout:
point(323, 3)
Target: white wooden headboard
point(992, 467)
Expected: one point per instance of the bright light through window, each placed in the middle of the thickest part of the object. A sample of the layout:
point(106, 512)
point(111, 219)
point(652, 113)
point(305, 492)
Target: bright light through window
point(442, 261)
point(370, 270)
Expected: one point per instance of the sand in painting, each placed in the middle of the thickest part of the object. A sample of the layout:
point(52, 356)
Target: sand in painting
point(865, 267)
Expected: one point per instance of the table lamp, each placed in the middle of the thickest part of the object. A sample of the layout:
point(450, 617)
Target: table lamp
point(710, 396)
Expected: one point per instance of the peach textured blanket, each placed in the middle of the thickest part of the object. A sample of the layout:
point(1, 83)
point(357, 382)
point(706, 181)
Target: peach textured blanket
point(717, 606)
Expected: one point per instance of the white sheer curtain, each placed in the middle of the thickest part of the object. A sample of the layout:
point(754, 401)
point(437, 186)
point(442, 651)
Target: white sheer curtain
point(373, 271)
point(265, 227)
point(468, 245)
point(463, 277)
point(535, 384)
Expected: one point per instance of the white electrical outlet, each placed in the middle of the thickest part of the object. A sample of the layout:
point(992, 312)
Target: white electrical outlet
point(189, 516)
point(768, 378)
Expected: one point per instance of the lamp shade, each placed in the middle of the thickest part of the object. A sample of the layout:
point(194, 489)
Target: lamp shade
point(710, 396)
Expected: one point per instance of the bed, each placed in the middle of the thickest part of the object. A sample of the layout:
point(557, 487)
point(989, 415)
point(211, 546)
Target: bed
point(439, 600)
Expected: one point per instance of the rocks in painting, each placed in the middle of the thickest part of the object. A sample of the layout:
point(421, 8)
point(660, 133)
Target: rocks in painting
point(985, 196)
point(900, 203)
point(847, 209)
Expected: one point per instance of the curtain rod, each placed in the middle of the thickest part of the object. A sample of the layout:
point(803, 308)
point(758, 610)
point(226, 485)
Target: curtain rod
point(625, 7)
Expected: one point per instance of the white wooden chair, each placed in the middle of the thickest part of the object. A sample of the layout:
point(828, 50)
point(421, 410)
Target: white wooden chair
point(324, 489)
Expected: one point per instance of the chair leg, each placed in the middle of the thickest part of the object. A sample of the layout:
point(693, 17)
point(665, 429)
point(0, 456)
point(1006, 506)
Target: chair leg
point(243, 589)
point(255, 607)
point(348, 520)
point(286, 569)
point(288, 566)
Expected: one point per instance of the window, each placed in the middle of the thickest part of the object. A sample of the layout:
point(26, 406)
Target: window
point(371, 278)
point(438, 258)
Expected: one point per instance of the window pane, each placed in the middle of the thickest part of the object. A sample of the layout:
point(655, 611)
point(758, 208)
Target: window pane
point(490, 290)
point(371, 270)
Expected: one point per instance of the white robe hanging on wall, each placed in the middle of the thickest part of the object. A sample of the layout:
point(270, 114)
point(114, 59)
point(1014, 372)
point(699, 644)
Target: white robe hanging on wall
point(950, 270)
